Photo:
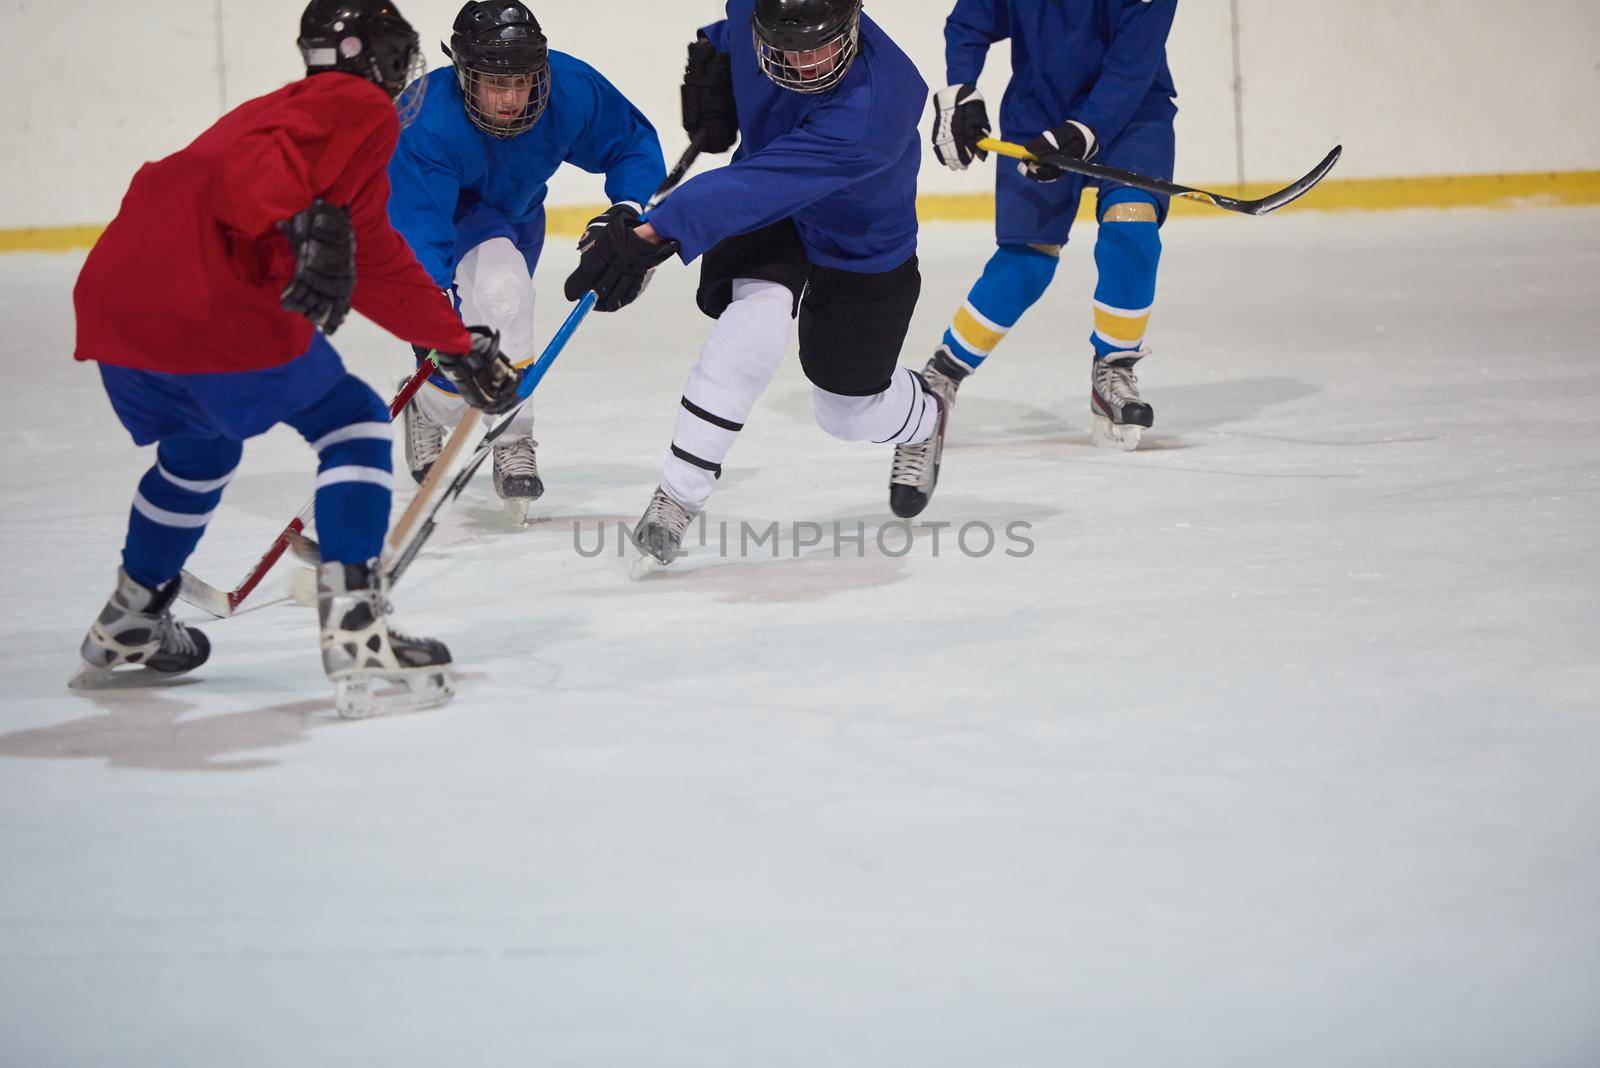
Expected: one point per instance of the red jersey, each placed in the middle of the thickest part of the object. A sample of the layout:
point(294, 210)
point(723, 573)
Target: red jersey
point(187, 279)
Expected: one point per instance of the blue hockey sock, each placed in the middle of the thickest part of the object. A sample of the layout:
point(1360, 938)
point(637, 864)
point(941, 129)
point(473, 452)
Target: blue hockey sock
point(1012, 282)
point(1127, 254)
point(175, 501)
point(349, 429)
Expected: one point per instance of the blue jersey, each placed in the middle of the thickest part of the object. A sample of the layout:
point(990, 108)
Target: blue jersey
point(446, 170)
point(1099, 62)
point(842, 164)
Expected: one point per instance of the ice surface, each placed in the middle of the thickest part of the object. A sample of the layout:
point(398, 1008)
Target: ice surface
point(1279, 748)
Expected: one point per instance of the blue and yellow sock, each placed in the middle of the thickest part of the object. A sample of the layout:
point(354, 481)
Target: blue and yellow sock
point(1012, 282)
point(1127, 254)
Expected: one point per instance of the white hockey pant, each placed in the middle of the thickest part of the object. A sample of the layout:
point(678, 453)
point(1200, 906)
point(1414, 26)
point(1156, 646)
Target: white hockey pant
point(735, 367)
point(496, 292)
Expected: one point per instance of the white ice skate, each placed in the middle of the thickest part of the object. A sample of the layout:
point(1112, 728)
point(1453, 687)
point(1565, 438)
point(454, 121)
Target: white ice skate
point(915, 471)
point(136, 628)
point(424, 439)
point(375, 668)
point(516, 476)
point(1120, 416)
point(658, 538)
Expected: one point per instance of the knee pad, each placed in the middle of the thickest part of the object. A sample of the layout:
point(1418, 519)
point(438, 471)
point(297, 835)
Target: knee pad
point(502, 297)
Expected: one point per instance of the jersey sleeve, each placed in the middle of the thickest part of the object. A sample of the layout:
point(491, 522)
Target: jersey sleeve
point(828, 152)
point(1129, 68)
point(274, 171)
point(619, 142)
point(392, 289)
point(972, 27)
point(424, 190)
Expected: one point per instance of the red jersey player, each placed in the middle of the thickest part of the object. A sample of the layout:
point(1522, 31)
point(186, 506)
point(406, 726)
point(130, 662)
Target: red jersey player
point(202, 304)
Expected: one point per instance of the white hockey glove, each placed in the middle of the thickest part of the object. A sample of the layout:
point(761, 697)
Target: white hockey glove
point(960, 121)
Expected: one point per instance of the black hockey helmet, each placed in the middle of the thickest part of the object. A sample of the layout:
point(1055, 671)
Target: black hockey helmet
point(368, 38)
point(498, 45)
point(807, 45)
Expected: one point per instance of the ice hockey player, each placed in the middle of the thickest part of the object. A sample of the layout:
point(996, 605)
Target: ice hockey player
point(201, 303)
point(819, 202)
point(469, 183)
point(1089, 81)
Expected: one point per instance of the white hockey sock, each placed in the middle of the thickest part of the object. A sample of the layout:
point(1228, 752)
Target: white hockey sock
point(735, 367)
point(903, 414)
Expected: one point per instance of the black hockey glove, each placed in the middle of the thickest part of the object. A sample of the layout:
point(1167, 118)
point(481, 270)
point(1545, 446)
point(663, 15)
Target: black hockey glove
point(324, 247)
point(709, 116)
point(1071, 139)
point(960, 121)
point(614, 261)
point(484, 378)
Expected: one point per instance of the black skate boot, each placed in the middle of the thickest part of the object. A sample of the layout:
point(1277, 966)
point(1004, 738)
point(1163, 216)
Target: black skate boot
point(1120, 415)
point(658, 538)
point(360, 650)
point(915, 471)
point(516, 476)
point(424, 439)
point(136, 627)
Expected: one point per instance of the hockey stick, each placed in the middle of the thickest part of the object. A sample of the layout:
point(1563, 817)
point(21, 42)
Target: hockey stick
point(1266, 205)
point(459, 484)
point(222, 604)
point(307, 550)
point(530, 382)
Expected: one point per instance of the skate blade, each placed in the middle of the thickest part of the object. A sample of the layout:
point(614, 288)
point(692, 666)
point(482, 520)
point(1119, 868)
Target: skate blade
point(366, 696)
point(643, 565)
point(517, 509)
point(90, 677)
point(1108, 435)
point(303, 588)
point(133, 677)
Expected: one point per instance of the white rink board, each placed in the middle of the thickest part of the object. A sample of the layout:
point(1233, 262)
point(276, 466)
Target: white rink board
point(1278, 750)
point(1424, 87)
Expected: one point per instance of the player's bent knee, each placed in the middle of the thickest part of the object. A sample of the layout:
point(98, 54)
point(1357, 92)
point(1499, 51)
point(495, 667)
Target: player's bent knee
point(843, 417)
point(1130, 211)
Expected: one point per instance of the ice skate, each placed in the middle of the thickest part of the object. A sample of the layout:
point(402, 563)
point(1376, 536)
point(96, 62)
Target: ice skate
point(375, 668)
point(915, 471)
point(1120, 416)
point(658, 538)
point(516, 476)
point(136, 628)
point(424, 439)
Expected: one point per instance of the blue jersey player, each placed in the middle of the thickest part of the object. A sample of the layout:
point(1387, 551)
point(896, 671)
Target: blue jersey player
point(816, 215)
point(469, 183)
point(1089, 80)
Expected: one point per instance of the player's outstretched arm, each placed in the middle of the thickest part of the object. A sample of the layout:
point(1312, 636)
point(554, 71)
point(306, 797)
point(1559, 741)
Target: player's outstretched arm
point(392, 289)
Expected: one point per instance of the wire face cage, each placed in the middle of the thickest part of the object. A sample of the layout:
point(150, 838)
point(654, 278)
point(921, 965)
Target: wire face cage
point(813, 70)
point(501, 104)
